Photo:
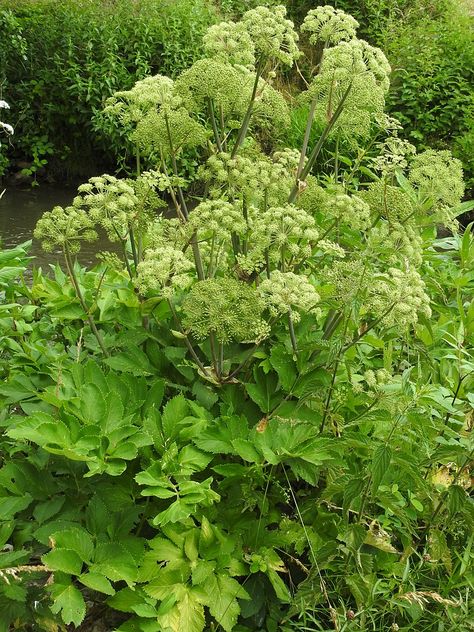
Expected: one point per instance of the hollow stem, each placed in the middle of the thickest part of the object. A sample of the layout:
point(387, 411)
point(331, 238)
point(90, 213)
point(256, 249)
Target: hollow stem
point(212, 116)
point(317, 148)
point(245, 123)
point(77, 288)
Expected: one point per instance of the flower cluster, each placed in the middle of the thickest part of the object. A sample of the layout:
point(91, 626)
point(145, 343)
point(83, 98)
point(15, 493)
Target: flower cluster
point(286, 292)
point(165, 269)
point(399, 296)
point(393, 242)
point(388, 201)
point(349, 209)
point(354, 76)
point(217, 218)
point(270, 110)
point(438, 176)
point(5, 126)
point(273, 36)
point(395, 155)
point(65, 228)
point(226, 308)
point(212, 79)
point(129, 106)
point(168, 132)
point(111, 203)
point(231, 43)
point(279, 232)
point(329, 26)
point(252, 175)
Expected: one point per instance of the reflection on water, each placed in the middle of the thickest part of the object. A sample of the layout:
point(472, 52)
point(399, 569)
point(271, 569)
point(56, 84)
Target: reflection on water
point(20, 209)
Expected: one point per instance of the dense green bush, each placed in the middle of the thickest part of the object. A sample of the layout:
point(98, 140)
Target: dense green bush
point(430, 45)
point(260, 417)
point(59, 61)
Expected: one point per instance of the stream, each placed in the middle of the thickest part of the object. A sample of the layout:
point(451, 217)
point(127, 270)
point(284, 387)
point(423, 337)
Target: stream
point(20, 209)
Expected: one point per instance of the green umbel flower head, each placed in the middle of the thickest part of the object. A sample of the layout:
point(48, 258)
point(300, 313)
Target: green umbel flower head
point(110, 203)
point(217, 218)
point(438, 176)
point(399, 295)
point(168, 131)
point(280, 233)
point(213, 79)
point(274, 36)
point(164, 269)
point(65, 228)
point(353, 75)
point(388, 201)
point(227, 308)
point(129, 106)
point(230, 42)
point(329, 26)
point(286, 292)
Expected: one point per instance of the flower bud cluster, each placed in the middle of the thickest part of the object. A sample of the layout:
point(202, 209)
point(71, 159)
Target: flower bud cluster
point(350, 210)
point(394, 242)
point(329, 26)
point(110, 203)
point(165, 269)
point(212, 79)
point(231, 43)
point(254, 177)
point(400, 295)
point(65, 228)
point(129, 106)
point(395, 155)
point(280, 231)
point(388, 201)
point(353, 75)
point(438, 176)
point(218, 218)
point(226, 308)
point(273, 36)
point(286, 292)
point(167, 132)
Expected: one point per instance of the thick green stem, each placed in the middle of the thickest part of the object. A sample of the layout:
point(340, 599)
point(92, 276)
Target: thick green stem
point(317, 148)
point(134, 248)
point(245, 123)
point(307, 134)
point(210, 108)
point(186, 339)
point(291, 327)
point(77, 288)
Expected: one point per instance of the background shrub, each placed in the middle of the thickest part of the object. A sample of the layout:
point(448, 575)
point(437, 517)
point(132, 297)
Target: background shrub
point(59, 61)
point(431, 49)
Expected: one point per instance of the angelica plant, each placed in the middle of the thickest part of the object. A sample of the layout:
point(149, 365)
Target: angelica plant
point(283, 423)
point(258, 244)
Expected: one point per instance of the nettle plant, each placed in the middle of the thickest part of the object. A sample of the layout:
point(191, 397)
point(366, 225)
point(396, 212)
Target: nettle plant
point(242, 429)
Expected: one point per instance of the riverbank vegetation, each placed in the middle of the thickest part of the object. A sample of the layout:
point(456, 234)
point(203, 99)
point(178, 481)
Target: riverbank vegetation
point(260, 416)
point(60, 61)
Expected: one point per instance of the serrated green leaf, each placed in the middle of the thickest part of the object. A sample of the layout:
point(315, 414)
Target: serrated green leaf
point(115, 562)
point(68, 601)
point(98, 582)
point(64, 560)
point(380, 463)
point(75, 539)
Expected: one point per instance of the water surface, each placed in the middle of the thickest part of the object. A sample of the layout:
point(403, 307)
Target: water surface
point(20, 209)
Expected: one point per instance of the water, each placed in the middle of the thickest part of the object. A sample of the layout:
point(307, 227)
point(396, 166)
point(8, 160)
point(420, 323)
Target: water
point(20, 209)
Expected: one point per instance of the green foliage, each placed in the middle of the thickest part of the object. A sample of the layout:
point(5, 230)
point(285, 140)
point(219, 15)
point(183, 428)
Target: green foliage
point(430, 47)
point(259, 416)
point(61, 60)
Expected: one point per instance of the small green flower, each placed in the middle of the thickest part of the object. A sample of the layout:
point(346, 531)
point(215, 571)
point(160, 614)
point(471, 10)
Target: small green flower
point(65, 228)
point(329, 26)
point(227, 308)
